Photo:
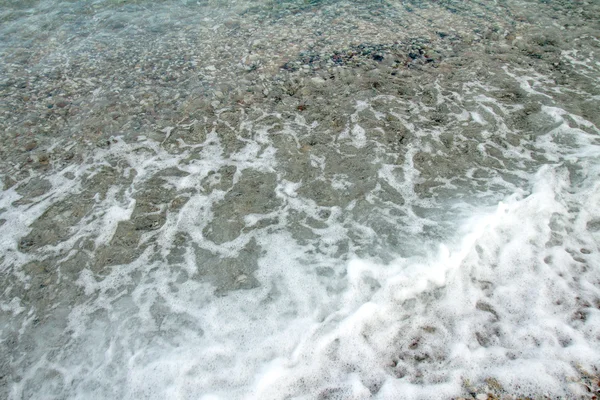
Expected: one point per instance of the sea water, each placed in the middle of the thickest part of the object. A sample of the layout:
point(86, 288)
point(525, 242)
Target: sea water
point(299, 199)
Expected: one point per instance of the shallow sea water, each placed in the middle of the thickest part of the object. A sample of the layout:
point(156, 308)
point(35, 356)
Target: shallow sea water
point(299, 199)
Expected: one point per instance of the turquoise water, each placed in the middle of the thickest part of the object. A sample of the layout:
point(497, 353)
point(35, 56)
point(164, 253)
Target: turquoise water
point(299, 199)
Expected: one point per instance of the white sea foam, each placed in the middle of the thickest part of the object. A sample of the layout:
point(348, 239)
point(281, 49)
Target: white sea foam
point(497, 300)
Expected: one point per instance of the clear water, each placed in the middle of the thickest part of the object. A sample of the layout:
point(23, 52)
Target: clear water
point(299, 199)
